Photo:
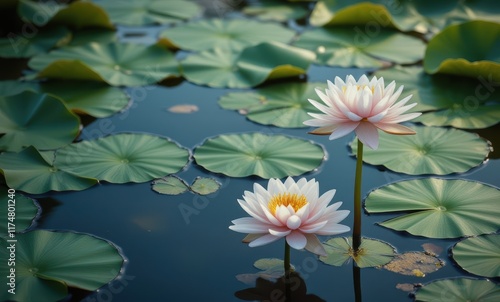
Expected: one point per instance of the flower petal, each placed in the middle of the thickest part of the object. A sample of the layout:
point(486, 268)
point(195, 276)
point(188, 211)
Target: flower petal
point(297, 240)
point(280, 232)
point(343, 129)
point(395, 129)
point(268, 238)
point(313, 227)
point(368, 134)
point(333, 229)
point(314, 245)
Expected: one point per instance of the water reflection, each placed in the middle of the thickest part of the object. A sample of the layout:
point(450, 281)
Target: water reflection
point(269, 291)
point(356, 277)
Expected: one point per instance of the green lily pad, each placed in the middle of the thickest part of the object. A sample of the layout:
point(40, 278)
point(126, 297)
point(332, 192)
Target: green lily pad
point(122, 158)
point(276, 10)
point(26, 211)
point(115, 63)
point(471, 104)
point(19, 46)
point(281, 105)
point(47, 262)
point(416, 264)
point(205, 186)
point(30, 172)
point(220, 67)
point(372, 252)
point(344, 47)
point(228, 34)
point(479, 255)
point(170, 185)
point(78, 14)
point(147, 12)
point(267, 156)
point(87, 97)
point(86, 36)
point(270, 269)
point(449, 52)
point(459, 290)
point(431, 150)
point(438, 208)
point(35, 119)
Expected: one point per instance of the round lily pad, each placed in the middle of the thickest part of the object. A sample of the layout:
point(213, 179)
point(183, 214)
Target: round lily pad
point(147, 12)
point(459, 290)
point(345, 47)
point(19, 46)
point(40, 120)
point(449, 52)
point(170, 185)
point(471, 104)
point(205, 186)
point(438, 208)
point(267, 156)
point(26, 212)
point(431, 150)
point(276, 10)
point(47, 262)
point(282, 105)
point(219, 67)
point(233, 34)
point(372, 252)
point(117, 64)
point(479, 255)
point(416, 264)
point(30, 172)
point(121, 158)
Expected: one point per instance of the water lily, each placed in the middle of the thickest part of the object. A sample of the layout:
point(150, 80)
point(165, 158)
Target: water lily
point(362, 106)
point(293, 210)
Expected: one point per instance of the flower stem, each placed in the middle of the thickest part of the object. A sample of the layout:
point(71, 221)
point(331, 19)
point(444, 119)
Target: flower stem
point(287, 258)
point(356, 230)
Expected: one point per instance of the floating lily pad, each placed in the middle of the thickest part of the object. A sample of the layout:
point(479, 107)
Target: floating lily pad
point(282, 105)
point(431, 150)
point(220, 67)
point(114, 63)
point(78, 14)
point(147, 12)
point(449, 52)
point(479, 255)
point(344, 47)
point(270, 269)
point(28, 171)
point(416, 264)
point(35, 119)
point(276, 10)
point(86, 36)
point(47, 262)
point(471, 104)
point(19, 46)
point(438, 208)
point(372, 252)
point(26, 210)
point(228, 34)
point(205, 186)
point(170, 185)
point(121, 158)
point(459, 290)
point(267, 156)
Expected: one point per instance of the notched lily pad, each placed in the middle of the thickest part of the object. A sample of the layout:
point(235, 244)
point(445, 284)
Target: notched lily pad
point(219, 67)
point(281, 105)
point(431, 150)
point(205, 186)
point(233, 35)
point(118, 64)
point(479, 255)
point(438, 208)
point(170, 185)
point(416, 264)
point(270, 269)
point(267, 156)
point(372, 252)
point(122, 158)
point(276, 10)
point(459, 290)
point(20, 46)
point(26, 212)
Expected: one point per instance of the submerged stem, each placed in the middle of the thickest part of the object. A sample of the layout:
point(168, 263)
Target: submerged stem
point(288, 292)
point(356, 230)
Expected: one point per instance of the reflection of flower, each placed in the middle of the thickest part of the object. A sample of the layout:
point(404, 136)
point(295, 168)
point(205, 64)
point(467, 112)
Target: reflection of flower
point(362, 106)
point(293, 210)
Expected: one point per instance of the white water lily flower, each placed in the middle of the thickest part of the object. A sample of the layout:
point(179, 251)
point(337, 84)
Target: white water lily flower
point(293, 210)
point(363, 106)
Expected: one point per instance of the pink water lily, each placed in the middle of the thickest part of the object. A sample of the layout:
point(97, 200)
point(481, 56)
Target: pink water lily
point(363, 106)
point(293, 210)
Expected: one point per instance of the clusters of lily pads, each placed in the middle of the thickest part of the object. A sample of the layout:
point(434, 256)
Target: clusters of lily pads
point(78, 70)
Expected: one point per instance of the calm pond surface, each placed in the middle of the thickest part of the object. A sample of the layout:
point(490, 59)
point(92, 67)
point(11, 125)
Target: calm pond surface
point(179, 248)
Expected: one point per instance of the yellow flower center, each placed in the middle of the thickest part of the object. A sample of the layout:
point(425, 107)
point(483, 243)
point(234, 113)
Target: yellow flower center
point(287, 199)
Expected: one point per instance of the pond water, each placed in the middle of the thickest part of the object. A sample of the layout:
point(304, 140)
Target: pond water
point(179, 248)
